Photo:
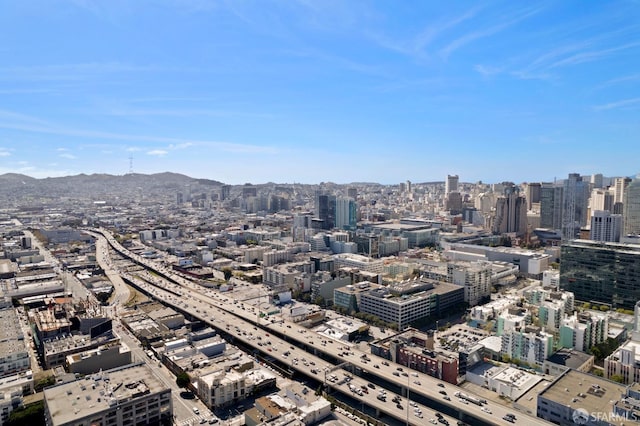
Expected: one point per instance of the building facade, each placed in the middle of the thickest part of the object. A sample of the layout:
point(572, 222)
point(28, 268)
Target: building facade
point(607, 273)
point(631, 208)
point(131, 395)
point(605, 226)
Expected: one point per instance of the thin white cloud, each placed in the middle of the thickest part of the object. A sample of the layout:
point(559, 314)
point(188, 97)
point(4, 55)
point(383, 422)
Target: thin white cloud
point(62, 149)
point(416, 46)
point(224, 146)
point(4, 153)
point(68, 156)
point(572, 53)
point(476, 35)
point(183, 145)
point(487, 70)
point(157, 152)
point(590, 56)
point(617, 104)
point(618, 80)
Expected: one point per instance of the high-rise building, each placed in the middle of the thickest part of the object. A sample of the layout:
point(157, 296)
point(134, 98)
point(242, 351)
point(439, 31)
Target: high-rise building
point(574, 206)
point(533, 193)
point(619, 185)
point(346, 213)
point(409, 187)
point(596, 180)
point(352, 192)
point(225, 191)
point(607, 273)
point(451, 184)
point(551, 206)
point(631, 208)
point(601, 199)
point(511, 212)
point(454, 202)
point(605, 226)
point(326, 210)
point(249, 190)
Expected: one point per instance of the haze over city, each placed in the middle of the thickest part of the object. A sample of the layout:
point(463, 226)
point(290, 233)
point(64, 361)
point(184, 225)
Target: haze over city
point(320, 91)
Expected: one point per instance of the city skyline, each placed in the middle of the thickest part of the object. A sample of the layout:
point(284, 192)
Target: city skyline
point(320, 91)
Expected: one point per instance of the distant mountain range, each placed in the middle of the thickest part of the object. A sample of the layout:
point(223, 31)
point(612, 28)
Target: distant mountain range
point(95, 186)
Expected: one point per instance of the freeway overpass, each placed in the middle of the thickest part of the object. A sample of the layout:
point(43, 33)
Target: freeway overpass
point(234, 318)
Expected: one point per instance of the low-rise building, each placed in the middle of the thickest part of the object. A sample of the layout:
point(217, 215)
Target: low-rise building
point(14, 356)
point(222, 388)
point(349, 296)
point(408, 302)
point(103, 358)
point(127, 395)
point(565, 359)
point(579, 398)
point(507, 382)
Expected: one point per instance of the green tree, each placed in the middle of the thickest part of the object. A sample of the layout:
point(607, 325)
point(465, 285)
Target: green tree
point(44, 382)
point(29, 415)
point(228, 272)
point(617, 378)
point(183, 380)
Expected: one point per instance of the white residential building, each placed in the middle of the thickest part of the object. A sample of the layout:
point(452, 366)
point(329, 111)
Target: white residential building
point(363, 263)
point(530, 346)
point(474, 277)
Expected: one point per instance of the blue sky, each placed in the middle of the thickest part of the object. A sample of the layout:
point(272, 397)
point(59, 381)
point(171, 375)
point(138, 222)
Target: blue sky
point(320, 90)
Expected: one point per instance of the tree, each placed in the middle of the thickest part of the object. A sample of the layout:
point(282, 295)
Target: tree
point(29, 415)
point(227, 273)
point(617, 378)
point(183, 380)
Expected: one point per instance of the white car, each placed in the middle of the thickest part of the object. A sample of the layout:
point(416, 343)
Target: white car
point(486, 410)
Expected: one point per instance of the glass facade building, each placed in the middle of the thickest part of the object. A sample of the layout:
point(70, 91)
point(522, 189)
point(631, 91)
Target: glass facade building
point(600, 272)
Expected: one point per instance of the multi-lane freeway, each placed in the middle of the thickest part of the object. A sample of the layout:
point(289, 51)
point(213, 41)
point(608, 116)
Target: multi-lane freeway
point(301, 350)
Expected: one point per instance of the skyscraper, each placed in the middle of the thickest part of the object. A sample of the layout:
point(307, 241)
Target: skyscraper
point(574, 206)
point(619, 186)
point(551, 206)
point(605, 226)
point(451, 184)
point(326, 209)
point(533, 194)
point(601, 199)
point(511, 212)
point(346, 213)
point(631, 208)
point(596, 180)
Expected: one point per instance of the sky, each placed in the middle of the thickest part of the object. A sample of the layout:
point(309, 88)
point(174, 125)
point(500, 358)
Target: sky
point(315, 91)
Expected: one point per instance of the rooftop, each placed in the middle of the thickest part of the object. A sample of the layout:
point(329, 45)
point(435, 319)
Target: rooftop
point(99, 392)
point(569, 358)
point(579, 390)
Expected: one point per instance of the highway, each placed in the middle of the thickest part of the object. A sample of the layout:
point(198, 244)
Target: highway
point(182, 409)
point(233, 317)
